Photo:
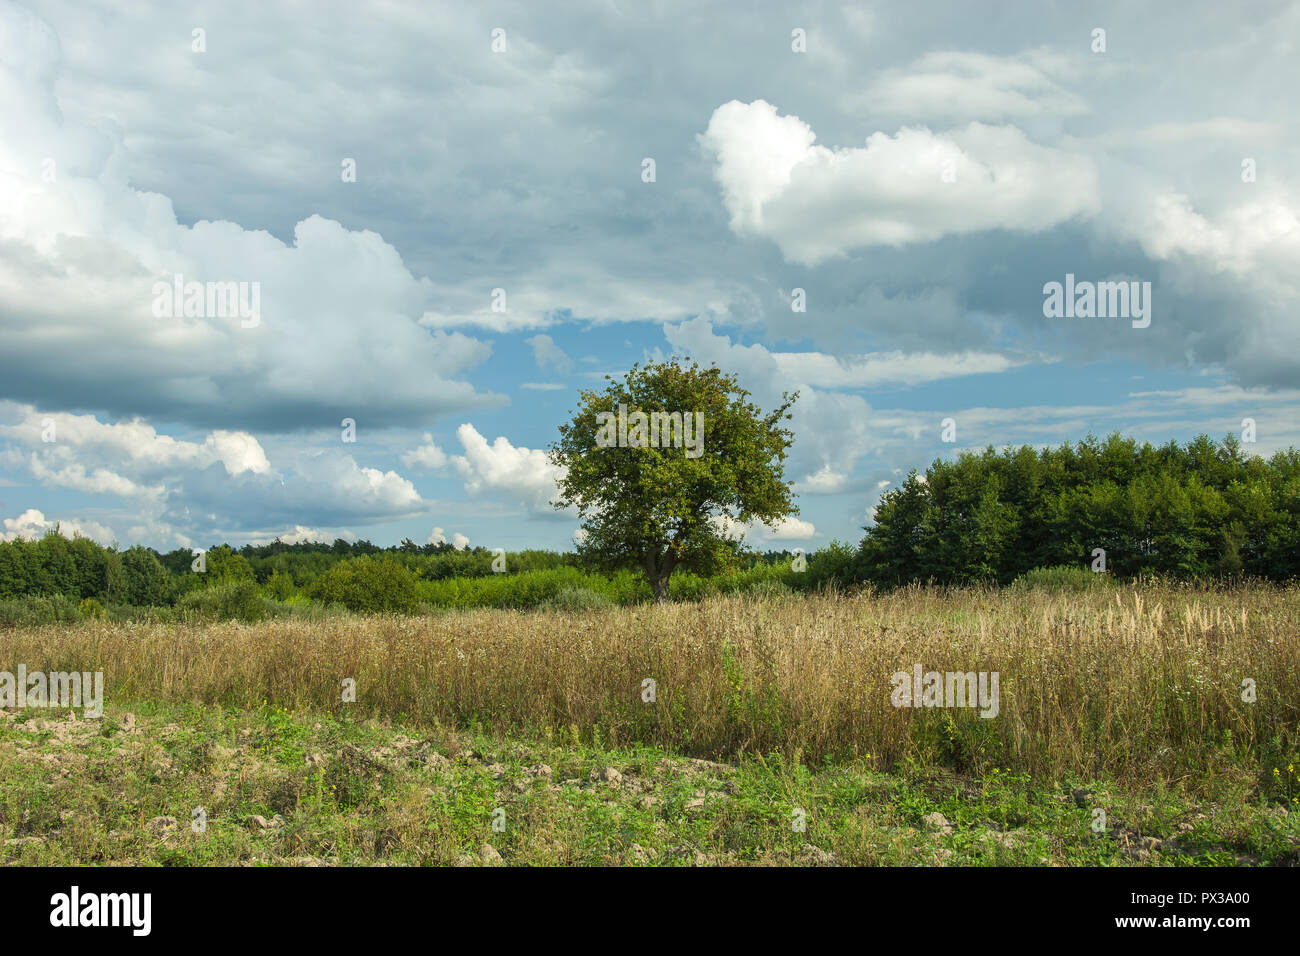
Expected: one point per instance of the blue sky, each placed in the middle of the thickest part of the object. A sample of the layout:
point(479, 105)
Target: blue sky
point(919, 171)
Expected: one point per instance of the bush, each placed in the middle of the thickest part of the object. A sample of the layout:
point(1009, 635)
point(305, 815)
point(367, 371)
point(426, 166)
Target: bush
point(835, 565)
point(146, 581)
point(224, 562)
point(529, 589)
point(369, 584)
point(280, 586)
point(31, 611)
point(1062, 577)
point(223, 600)
point(768, 587)
point(577, 599)
point(92, 608)
point(687, 586)
point(458, 564)
point(623, 587)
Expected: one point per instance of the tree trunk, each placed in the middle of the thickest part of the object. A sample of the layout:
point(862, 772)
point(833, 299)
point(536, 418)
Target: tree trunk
point(658, 570)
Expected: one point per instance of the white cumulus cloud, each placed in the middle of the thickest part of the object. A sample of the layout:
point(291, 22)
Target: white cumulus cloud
point(816, 203)
point(525, 474)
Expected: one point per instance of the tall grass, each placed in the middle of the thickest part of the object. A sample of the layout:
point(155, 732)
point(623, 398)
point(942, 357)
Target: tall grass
point(1129, 681)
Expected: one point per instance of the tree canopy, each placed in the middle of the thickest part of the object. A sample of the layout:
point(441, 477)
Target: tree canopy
point(1199, 510)
point(656, 503)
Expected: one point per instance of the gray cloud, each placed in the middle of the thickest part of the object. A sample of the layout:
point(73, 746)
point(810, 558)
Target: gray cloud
point(522, 171)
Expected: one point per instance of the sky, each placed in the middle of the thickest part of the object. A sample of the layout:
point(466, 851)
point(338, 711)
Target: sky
point(450, 218)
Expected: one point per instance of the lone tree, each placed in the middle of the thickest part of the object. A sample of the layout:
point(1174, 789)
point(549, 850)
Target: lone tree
point(660, 464)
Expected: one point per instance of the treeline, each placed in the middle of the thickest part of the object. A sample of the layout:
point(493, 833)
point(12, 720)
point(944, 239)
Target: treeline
point(79, 569)
point(1199, 511)
point(57, 580)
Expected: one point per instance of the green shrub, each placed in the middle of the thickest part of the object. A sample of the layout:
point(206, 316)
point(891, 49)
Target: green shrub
point(224, 562)
point(768, 587)
point(577, 599)
point(146, 581)
point(369, 584)
point(1062, 577)
point(686, 586)
point(835, 565)
point(528, 589)
point(224, 600)
point(44, 609)
point(458, 564)
point(280, 586)
point(91, 608)
point(274, 609)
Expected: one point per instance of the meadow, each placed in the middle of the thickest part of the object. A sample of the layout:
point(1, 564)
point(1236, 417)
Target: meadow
point(702, 732)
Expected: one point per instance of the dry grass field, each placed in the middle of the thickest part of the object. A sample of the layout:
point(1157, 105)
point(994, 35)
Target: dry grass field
point(1124, 681)
point(1139, 693)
